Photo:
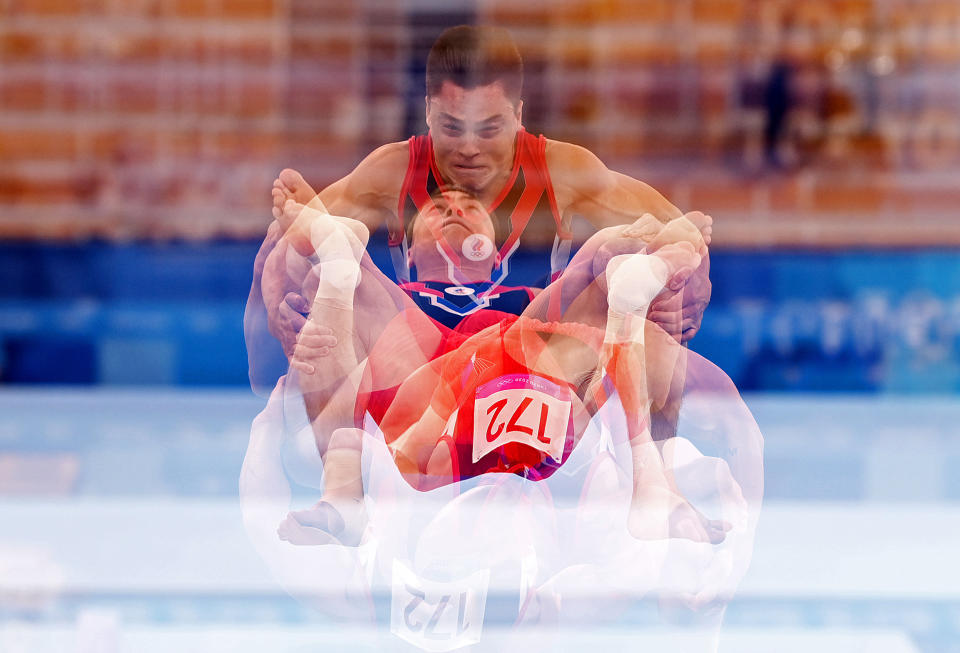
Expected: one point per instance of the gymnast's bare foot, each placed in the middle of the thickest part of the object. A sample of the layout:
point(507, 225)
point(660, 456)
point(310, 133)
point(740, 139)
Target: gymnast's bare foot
point(682, 230)
point(337, 521)
point(703, 222)
point(656, 512)
point(311, 230)
point(290, 185)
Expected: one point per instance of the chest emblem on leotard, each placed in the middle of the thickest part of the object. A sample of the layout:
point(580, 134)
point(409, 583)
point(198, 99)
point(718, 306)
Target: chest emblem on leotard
point(459, 291)
point(477, 247)
point(521, 408)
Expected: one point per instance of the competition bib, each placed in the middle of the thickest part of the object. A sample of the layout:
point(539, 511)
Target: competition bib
point(437, 616)
point(521, 408)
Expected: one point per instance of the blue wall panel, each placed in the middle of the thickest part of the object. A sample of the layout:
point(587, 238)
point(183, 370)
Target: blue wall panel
point(172, 313)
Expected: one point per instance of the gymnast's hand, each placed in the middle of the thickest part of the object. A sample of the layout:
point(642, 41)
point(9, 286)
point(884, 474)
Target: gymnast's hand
point(313, 345)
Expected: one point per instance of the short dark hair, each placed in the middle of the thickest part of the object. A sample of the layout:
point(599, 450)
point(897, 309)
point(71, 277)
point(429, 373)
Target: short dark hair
point(472, 56)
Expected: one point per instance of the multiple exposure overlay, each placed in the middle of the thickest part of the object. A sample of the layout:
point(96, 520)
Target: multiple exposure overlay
point(468, 432)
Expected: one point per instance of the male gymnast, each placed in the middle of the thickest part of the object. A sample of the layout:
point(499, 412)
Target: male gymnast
point(454, 383)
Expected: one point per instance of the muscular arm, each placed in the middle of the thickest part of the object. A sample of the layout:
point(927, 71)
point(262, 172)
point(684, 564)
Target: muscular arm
point(371, 192)
point(584, 185)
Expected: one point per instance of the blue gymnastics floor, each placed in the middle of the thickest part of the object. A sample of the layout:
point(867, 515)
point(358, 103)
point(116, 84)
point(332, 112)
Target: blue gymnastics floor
point(120, 531)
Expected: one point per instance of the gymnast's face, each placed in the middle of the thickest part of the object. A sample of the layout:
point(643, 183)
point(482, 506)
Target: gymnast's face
point(474, 132)
point(454, 215)
point(463, 223)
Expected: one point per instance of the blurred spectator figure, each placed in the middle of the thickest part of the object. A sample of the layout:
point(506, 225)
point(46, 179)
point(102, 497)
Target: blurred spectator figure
point(793, 97)
point(751, 96)
point(777, 103)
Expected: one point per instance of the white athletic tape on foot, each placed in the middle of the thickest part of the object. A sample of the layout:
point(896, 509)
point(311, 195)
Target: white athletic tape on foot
point(341, 274)
point(331, 239)
point(334, 259)
point(635, 282)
